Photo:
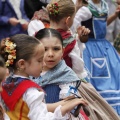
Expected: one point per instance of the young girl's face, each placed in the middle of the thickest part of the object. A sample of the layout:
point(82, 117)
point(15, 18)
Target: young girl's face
point(2, 76)
point(53, 52)
point(33, 67)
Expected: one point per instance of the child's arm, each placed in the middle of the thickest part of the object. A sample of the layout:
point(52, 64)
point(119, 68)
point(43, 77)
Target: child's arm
point(82, 14)
point(114, 16)
point(66, 105)
point(52, 107)
point(83, 34)
point(38, 109)
point(118, 2)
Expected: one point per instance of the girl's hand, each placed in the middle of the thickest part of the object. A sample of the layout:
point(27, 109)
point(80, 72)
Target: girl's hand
point(13, 21)
point(117, 10)
point(71, 104)
point(83, 33)
point(118, 2)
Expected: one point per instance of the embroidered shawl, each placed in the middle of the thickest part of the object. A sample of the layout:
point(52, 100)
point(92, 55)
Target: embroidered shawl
point(60, 74)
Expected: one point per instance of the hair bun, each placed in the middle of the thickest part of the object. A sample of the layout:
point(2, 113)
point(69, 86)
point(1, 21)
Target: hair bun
point(53, 9)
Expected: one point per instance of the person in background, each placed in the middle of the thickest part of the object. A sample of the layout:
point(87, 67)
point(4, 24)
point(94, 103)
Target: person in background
point(117, 43)
point(31, 6)
point(39, 20)
point(99, 56)
point(112, 29)
point(13, 19)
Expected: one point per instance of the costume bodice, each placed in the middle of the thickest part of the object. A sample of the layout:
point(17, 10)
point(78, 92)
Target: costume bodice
point(52, 93)
point(20, 112)
point(97, 26)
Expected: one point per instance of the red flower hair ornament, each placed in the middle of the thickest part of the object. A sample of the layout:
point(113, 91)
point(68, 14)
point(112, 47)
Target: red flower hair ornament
point(54, 9)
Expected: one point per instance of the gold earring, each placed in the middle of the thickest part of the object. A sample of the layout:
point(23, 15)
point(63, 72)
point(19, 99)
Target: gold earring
point(19, 69)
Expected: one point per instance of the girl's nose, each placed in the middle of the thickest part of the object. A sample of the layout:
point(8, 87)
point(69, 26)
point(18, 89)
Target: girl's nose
point(50, 53)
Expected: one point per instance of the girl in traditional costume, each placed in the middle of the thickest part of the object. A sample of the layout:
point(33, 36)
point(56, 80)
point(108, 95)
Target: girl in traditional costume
point(99, 56)
point(61, 14)
point(57, 79)
point(22, 98)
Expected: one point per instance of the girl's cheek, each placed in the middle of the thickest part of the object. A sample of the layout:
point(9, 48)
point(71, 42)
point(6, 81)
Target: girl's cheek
point(1, 88)
point(7, 73)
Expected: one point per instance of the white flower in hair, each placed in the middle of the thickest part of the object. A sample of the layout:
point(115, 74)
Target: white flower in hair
point(10, 49)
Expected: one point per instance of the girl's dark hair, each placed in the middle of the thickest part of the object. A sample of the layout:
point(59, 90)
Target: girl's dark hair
point(25, 46)
point(47, 32)
point(2, 63)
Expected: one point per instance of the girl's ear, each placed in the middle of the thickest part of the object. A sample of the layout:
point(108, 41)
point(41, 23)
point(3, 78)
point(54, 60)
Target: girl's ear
point(63, 52)
point(67, 20)
point(21, 64)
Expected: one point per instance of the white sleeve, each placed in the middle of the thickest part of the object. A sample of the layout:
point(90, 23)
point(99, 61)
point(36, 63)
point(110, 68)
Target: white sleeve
point(77, 62)
point(6, 117)
point(80, 45)
point(65, 89)
point(82, 14)
point(38, 109)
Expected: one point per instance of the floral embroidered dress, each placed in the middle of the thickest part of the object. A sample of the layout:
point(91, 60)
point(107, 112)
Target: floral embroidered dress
point(100, 57)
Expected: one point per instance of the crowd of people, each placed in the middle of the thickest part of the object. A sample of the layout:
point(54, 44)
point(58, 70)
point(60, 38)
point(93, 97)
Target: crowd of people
point(56, 57)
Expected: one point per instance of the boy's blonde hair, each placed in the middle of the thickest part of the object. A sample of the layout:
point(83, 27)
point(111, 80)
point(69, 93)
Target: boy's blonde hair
point(65, 8)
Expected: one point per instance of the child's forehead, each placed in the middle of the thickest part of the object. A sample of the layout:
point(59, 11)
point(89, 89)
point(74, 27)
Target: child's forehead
point(39, 49)
point(51, 40)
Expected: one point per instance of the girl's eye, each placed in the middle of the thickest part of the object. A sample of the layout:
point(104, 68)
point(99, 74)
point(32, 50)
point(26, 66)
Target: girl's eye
point(46, 49)
point(56, 48)
point(40, 60)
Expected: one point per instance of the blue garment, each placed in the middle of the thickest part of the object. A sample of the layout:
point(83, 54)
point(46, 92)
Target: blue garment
point(50, 81)
point(60, 74)
point(103, 62)
point(7, 12)
point(52, 93)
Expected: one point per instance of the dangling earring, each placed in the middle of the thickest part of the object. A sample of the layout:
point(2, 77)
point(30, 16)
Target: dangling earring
point(19, 69)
